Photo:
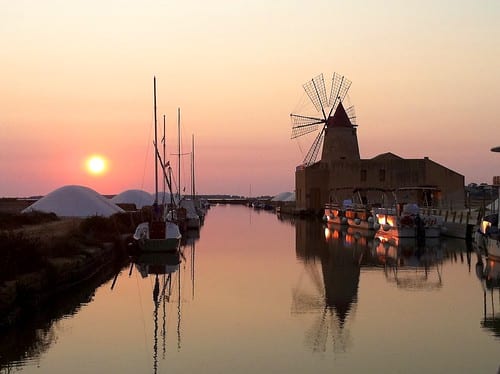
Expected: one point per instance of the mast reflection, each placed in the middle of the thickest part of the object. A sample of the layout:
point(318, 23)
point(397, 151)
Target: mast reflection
point(488, 273)
point(164, 269)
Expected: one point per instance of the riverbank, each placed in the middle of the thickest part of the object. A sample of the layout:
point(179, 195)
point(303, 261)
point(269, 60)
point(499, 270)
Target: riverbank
point(49, 255)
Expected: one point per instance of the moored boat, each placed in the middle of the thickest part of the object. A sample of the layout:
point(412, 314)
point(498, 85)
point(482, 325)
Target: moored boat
point(335, 214)
point(487, 236)
point(408, 223)
point(159, 233)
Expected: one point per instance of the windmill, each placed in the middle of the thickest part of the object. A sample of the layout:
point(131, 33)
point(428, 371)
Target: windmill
point(325, 108)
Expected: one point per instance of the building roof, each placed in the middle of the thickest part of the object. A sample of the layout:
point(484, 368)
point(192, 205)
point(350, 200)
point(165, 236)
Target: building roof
point(339, 118)
point(387, 156)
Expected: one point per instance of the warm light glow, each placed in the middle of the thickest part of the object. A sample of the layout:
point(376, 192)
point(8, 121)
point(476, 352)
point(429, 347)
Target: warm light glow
point(327, 234)
point(96, 165)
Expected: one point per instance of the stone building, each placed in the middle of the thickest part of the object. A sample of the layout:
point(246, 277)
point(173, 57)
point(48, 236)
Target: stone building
point(384, 179)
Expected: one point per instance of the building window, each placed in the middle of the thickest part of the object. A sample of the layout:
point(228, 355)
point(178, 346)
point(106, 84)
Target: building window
point(381, 175)
point(363, 175)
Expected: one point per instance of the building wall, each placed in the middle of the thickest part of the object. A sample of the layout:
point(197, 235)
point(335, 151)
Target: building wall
point(335, 181)
point(311, 187)
point(340, 144)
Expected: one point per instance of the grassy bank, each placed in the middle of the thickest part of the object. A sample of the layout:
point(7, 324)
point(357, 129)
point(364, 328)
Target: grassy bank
point(42, 255)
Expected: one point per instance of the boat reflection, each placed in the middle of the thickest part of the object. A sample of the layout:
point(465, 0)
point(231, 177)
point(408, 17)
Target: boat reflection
point(488, 273)
point(333, 258)
point(162, 267)
point(409, 263)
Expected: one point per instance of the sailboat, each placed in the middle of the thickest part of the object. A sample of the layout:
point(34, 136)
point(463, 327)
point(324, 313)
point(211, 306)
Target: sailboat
point(186, 212)
point(159, 234)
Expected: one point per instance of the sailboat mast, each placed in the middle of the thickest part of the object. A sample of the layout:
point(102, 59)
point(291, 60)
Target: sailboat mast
point(156, 142)
point(192, 166)
point(164, 155)
point(179, 153)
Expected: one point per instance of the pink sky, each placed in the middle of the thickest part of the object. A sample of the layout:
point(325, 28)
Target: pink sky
point(76, 79)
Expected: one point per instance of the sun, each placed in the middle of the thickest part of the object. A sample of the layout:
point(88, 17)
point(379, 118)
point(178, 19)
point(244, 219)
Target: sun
point(96, 165)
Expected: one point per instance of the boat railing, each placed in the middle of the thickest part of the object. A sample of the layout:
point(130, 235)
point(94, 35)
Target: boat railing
point(333, 206)
point(465, 217)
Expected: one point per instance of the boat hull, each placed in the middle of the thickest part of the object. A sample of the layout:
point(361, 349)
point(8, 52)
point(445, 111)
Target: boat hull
point(410, 232)
point(335, 215)
point(493, 247)
point(159, 245)
point(170, 241)
point(361, 224)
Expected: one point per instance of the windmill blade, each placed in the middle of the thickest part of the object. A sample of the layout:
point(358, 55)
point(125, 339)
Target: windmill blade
point(340, 86)
point(316, 91)
point(351, 114)
point(312, 154)
point(304, 125)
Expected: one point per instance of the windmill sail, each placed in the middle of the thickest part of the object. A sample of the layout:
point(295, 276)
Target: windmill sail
point(306, 124)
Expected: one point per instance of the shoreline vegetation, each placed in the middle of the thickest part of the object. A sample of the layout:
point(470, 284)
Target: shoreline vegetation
point(43, 256)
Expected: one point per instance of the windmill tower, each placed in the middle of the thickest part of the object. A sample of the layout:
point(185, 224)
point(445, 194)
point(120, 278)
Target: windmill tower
point(336, 125)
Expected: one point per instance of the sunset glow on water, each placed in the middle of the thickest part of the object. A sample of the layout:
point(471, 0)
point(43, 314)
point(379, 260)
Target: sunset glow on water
point(258, 293)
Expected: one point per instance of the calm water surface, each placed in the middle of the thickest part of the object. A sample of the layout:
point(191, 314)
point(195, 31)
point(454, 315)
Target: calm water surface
point(258, 294)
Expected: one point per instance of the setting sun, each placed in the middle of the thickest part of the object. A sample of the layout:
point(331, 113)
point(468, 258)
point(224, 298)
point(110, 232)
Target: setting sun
point(96, 165)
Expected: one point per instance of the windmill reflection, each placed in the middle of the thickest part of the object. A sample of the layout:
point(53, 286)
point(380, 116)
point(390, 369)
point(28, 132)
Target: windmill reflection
point(329, 284)
point(333, 257)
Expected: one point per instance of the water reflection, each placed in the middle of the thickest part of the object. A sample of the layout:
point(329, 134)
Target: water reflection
point(164, 271)
point(410, 264)
point(333, 258)
point(488, 273)
point(162, 267)
point(332, 266)
point(38, 328)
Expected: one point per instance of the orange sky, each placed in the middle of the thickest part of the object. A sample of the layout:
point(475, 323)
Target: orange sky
point(76, 79)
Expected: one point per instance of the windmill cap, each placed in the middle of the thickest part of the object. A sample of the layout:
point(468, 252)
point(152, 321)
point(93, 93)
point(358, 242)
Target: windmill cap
point(339, 118)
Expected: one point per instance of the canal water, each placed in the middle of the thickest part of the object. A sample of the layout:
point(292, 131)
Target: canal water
point(256, 293)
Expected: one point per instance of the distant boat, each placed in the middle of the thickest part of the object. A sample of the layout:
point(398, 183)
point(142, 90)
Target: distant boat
point(159, 233)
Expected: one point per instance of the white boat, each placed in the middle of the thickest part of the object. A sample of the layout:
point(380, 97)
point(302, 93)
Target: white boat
point(487, 237)
point(360, 213)
point(408, 223)
point(160, 233)
point(192, 218)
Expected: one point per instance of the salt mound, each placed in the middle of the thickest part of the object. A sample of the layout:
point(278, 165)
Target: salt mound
point(284, 196)
point(75, 201)
point(165, 197)
point(138, 197)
